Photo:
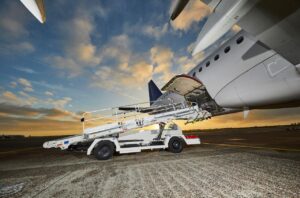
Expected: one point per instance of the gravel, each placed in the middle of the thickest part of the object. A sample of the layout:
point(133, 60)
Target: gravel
point(199, 171)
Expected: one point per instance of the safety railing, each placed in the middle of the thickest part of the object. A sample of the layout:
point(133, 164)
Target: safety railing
point(133, 111)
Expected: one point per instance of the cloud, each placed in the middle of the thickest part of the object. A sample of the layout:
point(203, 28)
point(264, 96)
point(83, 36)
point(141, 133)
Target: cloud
point(28, 89)
point(9, 96)
point(27, 99)
point(12, 98)
point(69, 66)
point(16, 119)
point(161, 58)
point(126, 70)
point(13, 22)
point(59, 103)
point(17, 99)
point(39, 127)
point(23, 98)
point(186, 63)
point(131, 71)
point(26, 70)
point(195, 11)
point(155, 31)
point(13, 84)
point(136, 76)
point(22, 47)
point(26, 84)
point(23, 111)
point(79, 51)
point(48, 86)
point(119, 50)
point(78, 43)
point(48, 93)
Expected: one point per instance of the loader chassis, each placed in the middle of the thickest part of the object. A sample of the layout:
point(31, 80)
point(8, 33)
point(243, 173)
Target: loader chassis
point(122, 133)
point(172, 140)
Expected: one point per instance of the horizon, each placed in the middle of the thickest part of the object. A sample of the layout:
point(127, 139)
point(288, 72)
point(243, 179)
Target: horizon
point(187, 130)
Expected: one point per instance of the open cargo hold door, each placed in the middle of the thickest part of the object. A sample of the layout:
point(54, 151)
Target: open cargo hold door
point(194, 91)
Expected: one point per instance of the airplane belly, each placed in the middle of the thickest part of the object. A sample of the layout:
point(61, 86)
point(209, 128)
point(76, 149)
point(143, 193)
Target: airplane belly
point(273, 82)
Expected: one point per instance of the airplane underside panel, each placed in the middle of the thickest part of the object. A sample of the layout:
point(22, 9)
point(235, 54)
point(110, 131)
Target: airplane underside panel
point(276, 23)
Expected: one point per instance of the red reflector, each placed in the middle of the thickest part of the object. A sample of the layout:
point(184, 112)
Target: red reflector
point(191, 136)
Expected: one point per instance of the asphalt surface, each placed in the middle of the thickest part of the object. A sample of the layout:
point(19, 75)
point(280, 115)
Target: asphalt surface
point(238, 166)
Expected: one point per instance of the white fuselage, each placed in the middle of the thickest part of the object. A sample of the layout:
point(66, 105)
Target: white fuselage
point(243, 72)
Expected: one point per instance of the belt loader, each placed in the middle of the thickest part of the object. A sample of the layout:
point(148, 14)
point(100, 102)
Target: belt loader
point(121, 130)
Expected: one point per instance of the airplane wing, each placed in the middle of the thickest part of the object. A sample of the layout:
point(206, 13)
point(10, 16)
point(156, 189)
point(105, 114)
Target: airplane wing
point(275, 23)
point(178, 8)
point(37, 9)
point(213, 4)
point(221, 20)
point(181, 4)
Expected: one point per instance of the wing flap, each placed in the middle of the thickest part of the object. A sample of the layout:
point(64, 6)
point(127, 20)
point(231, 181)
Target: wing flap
point(213, 4)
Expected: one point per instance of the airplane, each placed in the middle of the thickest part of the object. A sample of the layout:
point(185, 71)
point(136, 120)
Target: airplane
point(37, 9)
point(244, 73)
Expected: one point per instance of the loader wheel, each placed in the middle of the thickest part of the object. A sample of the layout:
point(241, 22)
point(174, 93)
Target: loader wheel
point(175, 145)
point(104, 150)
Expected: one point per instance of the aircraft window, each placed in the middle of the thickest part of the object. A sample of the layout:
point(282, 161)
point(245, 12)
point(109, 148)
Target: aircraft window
point(217, 57)
point(240, 40)
point(227, 49)
point(200, 69)
point(194, 74)
point(207, 63)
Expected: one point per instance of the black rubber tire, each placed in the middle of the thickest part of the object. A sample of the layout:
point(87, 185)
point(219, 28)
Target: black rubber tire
point(104, 150)
point(175, 145)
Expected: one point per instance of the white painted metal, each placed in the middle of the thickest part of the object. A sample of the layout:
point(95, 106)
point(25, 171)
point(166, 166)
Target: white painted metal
point(121, 124)
point(32, 6)
point(249, 75)
point(145, 138)
point(221, 21)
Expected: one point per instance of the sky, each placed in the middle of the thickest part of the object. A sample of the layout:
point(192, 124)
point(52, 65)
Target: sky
point(96, 54)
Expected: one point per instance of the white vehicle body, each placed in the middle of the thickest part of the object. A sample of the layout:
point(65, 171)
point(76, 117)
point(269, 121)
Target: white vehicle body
point(137, 141)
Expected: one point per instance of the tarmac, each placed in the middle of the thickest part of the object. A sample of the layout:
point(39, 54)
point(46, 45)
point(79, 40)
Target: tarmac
point(256, 162)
